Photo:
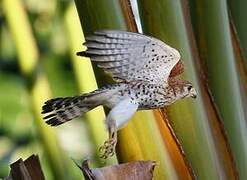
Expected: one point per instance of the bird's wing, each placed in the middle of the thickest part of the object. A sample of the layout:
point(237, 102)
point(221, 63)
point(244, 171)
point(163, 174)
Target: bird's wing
point(131, 56)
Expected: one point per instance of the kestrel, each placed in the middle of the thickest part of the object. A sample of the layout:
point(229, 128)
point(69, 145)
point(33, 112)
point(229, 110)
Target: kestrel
point(143, 68)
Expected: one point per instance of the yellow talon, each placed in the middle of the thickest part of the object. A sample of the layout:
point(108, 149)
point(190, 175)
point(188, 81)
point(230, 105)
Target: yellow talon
point(108, 148)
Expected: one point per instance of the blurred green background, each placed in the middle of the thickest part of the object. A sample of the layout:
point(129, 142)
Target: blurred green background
point(47, 47)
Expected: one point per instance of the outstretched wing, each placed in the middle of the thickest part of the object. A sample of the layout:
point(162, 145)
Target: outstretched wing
point(131, 56)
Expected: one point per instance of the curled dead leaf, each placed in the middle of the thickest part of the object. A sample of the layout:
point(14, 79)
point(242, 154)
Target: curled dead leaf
point(136, 170)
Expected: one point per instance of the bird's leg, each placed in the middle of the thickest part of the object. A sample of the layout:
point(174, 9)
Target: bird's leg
point(108, 148)
point(116, 119)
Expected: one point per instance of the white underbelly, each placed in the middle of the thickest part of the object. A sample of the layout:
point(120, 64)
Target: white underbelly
point(113, 101)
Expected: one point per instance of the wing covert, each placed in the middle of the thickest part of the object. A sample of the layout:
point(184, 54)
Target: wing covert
point(131, 56)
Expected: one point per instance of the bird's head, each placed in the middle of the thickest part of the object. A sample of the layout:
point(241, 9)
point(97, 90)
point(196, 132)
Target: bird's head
point(182, 88)
point(189, 90)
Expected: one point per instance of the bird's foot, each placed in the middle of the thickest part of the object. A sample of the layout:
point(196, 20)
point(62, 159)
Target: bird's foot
point(108, 148)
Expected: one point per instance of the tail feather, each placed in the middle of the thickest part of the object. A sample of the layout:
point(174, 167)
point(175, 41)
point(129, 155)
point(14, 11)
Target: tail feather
point(62, 110)
point(59, 103)
point(82, 53)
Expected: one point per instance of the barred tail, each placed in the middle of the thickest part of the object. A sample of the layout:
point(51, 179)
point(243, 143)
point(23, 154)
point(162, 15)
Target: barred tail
point(62, 110)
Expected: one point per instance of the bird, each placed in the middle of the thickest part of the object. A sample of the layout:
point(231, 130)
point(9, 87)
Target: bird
point(144, 70)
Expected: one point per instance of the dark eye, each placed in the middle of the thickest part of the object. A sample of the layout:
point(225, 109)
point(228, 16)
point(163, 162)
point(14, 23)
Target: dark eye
point(189, 87)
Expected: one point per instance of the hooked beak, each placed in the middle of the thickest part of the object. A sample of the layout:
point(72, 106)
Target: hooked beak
point(193, 93)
